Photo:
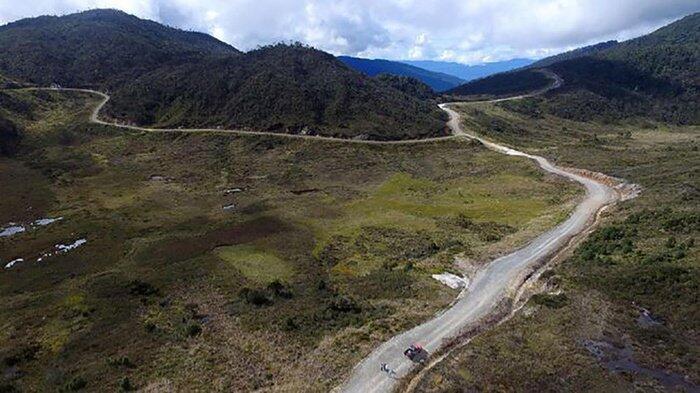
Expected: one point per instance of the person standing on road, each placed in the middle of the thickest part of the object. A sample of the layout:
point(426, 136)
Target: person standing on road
point(385, 368)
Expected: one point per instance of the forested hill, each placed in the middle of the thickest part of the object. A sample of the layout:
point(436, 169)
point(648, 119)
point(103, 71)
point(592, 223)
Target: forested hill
point(505, 84)
point(161, 76)
point(408, 85)
point(652, 77)
point(672, 52)
point(280, 88)
point(573, 54)
point(99, 47)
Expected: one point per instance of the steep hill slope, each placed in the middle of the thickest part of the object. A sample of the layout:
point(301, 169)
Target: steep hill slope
point(98, 47)
point(652, 77)
point(279, 88)
point(162, 76)
point(372, 67)
point(572, 54)
point(411, 86)
point(507, 83)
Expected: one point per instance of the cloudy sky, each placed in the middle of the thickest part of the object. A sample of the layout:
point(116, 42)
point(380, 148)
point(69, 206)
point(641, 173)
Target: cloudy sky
point(467, 31)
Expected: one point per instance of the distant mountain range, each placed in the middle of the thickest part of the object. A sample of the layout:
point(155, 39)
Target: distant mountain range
point(469, 72)
point(165, 77)
point(372, 67)
point(439, 75)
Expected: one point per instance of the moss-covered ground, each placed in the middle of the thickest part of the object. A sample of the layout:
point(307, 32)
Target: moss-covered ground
point(326, 251)
point(644, 255)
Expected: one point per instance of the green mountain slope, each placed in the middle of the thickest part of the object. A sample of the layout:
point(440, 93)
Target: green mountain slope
point(505, 84)
point(408, 85)
point(162, 76)
point(280, 88)
point(651, 77)
point(99, 47)
point(573, 54)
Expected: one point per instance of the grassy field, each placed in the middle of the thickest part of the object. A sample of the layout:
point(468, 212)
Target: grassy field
point(324, 250)
point(643, 256)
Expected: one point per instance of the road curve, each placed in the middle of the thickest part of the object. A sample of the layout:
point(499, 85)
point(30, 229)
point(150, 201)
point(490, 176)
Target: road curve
point(489, 287)
point(95, 118)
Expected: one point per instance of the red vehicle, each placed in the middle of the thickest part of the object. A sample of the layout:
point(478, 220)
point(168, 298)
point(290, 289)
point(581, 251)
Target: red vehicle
point(416, 353)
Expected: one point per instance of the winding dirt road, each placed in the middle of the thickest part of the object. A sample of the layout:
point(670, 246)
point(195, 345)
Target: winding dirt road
point(490, 287)
point(497, 282)
point(95, 118)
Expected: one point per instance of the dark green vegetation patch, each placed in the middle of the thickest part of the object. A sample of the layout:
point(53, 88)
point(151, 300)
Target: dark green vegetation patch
point(242, 262)
point(164, 77)
point(653, 77)
point(621, 313)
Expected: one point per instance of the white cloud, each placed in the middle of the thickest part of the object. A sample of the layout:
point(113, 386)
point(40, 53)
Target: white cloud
point(468, 31)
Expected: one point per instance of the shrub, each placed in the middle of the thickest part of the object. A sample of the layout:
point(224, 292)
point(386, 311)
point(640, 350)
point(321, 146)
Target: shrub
point(8, 388)
point(141, 288)
point(125, 385)
point(10, 137)
point(150, 327)
point(549, 300)
point(280, 290)
point(75, 384)
point(290, 324)
point(120, 361)
point(193, 330)
point(344, 304)
point(256, 297)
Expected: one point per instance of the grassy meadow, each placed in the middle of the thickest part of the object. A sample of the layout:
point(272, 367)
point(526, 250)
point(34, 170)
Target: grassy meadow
point(643, 256)
point(324, 249)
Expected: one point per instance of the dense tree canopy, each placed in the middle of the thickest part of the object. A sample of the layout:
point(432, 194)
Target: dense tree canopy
point(166, 77)
point(655, 77)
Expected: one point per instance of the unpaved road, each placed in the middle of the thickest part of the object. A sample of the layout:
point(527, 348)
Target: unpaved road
point(490, 286)
point(95, 118)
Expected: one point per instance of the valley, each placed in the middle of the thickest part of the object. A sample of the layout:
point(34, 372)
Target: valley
point(181, 215)
point(168, 288)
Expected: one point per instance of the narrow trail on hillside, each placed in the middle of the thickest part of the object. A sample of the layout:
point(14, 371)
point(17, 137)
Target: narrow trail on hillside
point(493, 287)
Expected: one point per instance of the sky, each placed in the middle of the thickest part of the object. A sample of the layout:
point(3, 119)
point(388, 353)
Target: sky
point(465, 31)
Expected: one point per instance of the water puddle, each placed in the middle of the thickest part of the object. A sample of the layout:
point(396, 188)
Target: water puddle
point(42, 222)
point(62, 249)
point(12, 229)
point(15, 228)
point(619, 359)
point(10, 264)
